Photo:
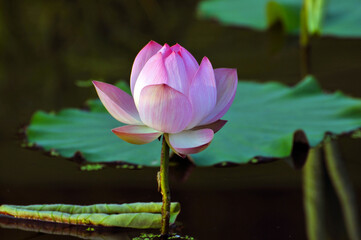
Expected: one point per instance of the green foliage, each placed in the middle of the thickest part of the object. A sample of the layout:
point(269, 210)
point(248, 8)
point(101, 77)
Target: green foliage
point(342, 18)
point(264, 123)
point(89, 132)
point(313, 15)
point(336, 18)
point(343, 188)
point(151, 236)
point(133, 215)
point(264, 118)
point(327, 185)
point(92, 167)
point(85, 83)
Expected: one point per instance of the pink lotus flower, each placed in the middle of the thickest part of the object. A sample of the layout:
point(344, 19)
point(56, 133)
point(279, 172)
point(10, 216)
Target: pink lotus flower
point(172, 95)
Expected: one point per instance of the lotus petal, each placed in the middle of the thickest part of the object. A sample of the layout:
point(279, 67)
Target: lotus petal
point(226, 80)
point(141, 59)
point(165, 50)
point(118, 103)
point(202, 92)
point(164, 108)
point(136, 134)
point(177, 75)
point(154, 72)
point(215, 126)
point(160, 70)
point(190, 141)
point(190, 62)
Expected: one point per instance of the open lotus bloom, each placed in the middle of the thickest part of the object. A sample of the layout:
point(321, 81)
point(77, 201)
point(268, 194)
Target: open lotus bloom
point(172, 95)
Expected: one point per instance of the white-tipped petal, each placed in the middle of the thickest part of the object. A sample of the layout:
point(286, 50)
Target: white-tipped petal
point(164, 108)
point(118, 103)
point(191, 141)
point(136, 134)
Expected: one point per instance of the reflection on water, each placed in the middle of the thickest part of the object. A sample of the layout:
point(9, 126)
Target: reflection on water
point(46, 46)
point(83, 232)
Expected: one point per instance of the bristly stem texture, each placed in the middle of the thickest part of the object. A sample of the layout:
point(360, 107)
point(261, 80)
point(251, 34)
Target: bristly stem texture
point(164, 186)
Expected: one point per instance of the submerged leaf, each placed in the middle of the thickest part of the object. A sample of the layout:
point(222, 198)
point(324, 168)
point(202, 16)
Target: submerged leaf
point(132, 215)
point(338, 18)
point(266, 121)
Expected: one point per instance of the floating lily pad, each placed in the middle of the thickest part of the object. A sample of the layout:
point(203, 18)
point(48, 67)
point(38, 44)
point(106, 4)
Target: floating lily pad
point(341, 18)
point(266, 122)
point(132, 215)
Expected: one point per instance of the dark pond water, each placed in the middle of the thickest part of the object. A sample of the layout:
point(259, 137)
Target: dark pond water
point(46, 46)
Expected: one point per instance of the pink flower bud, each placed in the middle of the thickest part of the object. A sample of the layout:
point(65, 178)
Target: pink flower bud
point(172, 94)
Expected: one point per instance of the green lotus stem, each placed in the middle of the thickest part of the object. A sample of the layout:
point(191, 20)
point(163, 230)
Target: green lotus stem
point(312, 14)
point(305, 46)
point(314, 195)
point(305, 54)
point(164, 186)
point(343, 188)
point(311, 20)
